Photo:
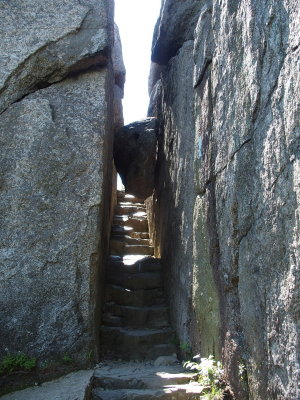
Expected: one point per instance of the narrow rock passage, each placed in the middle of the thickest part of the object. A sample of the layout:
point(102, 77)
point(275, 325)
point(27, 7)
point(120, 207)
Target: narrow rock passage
point(136, 330)
point(135, 319)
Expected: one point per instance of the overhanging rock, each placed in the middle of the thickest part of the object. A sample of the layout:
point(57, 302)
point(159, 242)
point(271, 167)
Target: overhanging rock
point(135, 156)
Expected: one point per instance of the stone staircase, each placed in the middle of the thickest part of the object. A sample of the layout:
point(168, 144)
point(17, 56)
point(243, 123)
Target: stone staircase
point(136, 336)
point(143, 381)
point(135, 320)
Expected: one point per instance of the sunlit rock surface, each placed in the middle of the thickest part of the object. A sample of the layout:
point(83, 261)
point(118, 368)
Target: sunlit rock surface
point(56, 130)
point(41, 43)
point(226, 203)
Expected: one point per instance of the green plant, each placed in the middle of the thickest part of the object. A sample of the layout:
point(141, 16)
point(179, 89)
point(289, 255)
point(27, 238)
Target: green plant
point(185, 347)
point(243, 376)
point(89, 355)
point(186, 350)
point(67, 359)
point(214, 394)
point(209, 374)
point(19, 362)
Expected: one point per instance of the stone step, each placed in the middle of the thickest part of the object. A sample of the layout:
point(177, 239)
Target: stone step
point(141, 235)
point(111, 320)
point(133, 375)
point(126, 217)
point(128, 203)
point(119, 230)
point(150, 352)
point(148, 317)
point(135, 281)
point(117, 265)
point(129, 209)
point(137, 344)
point(172, 392)
point(120, 240)
point(137, 337)
point(128, 198)
point(136, 298)
point(122, 248)
point(139, 224)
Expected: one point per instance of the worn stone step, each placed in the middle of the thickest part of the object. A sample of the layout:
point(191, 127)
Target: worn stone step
point(144, 353)
point(172, 392)
point(138, 249)
point(129, 209)
point(118, 241)
point(127, 339)
point(128, 217)
point(154, 317)
point(133, 375)
point(116, 265)
point(141, 235)
point(122, 196)
point(138, 298)
point(111, 320)
point(138, 224)
point(136, 344)
point(126, 249)
point(135, 281)
point(128, 198)
point(127, 335)
point(131, 259)
point(119, 230)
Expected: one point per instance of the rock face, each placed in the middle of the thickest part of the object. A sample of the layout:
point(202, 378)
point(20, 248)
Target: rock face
point(135, 156)
point(225, 212)
point(56, 129)
point(175, 25)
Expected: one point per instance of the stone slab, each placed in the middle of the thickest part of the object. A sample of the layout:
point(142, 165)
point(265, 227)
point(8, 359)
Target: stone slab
point(74, 386)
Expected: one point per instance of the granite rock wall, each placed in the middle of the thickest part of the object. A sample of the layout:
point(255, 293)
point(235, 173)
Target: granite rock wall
point(225, 211)
point(59, 96)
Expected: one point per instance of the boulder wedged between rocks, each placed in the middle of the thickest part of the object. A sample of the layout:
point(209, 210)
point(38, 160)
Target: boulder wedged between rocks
point(135, 156)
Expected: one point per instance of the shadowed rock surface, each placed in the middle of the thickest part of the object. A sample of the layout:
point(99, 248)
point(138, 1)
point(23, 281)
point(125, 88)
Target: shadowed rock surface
point(135, 156)
point(175, 26)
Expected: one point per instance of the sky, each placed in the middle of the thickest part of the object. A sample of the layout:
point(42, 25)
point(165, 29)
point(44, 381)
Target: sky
point(136, 20)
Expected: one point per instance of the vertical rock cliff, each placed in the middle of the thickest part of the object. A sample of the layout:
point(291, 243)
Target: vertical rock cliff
point(225, 212)
point(60, 98)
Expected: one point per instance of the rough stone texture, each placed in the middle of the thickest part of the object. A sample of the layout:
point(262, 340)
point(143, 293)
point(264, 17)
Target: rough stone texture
point(41, 43)
point(143, 380)
point(52, 184)
point(119, 73)
point(175, 25)
point(154, 75)
point(243, 143)
point(174, 214)
point(55, 174)
point(118, 63)
point(154, 105)
point(135, 156)
point(75, 386)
